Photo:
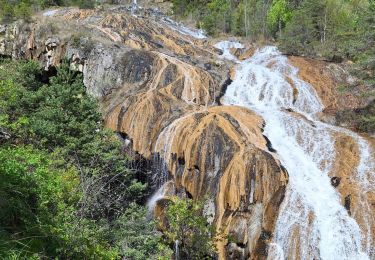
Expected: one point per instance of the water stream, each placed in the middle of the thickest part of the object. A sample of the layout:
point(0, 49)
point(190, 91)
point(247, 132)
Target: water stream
point(312, 222)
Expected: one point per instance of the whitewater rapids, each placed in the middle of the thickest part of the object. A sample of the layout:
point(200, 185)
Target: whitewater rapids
point(312, 223)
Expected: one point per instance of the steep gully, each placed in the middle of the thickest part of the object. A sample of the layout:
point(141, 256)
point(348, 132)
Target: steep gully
point(312, 223)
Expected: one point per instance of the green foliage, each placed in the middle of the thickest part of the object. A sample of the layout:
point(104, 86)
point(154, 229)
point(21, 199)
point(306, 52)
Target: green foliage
point(335, 30)
point(321, 27)
point(245, 17)
point(184, 7)
point(65, 190)
point(38, 216)
point(253, 19)
point(32, 194)
point(187, 225)
point(218, 17)
point(366, 118)
point(136, 236)
point(84, 4)
point(361, 47)
point(10, 10)
point(278, 15)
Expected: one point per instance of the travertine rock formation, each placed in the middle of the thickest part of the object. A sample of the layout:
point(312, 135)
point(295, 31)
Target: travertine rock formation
point(160, 87)
point(352, 172)
point(338, 90)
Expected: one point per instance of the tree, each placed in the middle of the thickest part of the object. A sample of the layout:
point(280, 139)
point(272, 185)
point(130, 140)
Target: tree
point(360, 46)
point(250, 19)
point(136, 236)
point(64, 193)
point(36, 215)
point(190, 229)
point(317, 28)
point(18, 9)
point(278, 15)
point(218, 17)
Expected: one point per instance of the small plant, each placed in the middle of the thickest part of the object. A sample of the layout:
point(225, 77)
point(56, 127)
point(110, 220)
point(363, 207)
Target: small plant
point(342, 88)
point(190, 229)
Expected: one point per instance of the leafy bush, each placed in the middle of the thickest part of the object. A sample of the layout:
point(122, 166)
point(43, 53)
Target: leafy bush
point(64, 179)
point(11, 10)
point(137, 238)
point(188, 226)
point(33, 196)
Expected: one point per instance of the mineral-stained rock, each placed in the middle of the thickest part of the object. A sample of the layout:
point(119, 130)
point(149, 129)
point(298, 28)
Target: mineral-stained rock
point(155, 89)
point(220, 153)
point(346, 173)
point(332, 83)
point(360, 202)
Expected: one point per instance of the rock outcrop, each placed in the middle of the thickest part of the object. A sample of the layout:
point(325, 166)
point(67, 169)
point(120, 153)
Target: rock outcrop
point(338, 90)
point(159, 87)
point(352, 170)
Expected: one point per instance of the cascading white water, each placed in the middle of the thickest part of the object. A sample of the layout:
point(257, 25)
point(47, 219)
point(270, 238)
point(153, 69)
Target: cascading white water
point(134, 7)
point(226, 46)
point(198, 34)
point(176, 250)
point(159, 194)
point(312, 223)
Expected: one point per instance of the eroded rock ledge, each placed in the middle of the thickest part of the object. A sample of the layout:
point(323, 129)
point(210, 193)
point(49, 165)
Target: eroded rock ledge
point(159, 88)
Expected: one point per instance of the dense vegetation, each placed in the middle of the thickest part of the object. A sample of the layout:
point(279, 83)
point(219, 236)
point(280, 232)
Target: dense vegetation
point(66, 188)
point(333, 30)
point(60, 170)
point(11, 10)
point(187, 226)
point(68, 191)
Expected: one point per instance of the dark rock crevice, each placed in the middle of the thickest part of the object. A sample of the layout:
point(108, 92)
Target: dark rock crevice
point(223, 89)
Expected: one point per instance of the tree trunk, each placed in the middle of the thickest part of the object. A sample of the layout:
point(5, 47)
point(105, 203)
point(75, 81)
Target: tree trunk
point(246, 18)
point(325, 26)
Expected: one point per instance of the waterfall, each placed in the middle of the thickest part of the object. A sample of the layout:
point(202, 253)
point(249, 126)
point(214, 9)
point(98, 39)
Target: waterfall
point(312, 222)
point(134, 7)
point(176, 250)
point(159, 194)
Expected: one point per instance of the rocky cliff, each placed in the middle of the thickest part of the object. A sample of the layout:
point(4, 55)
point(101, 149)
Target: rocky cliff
point(159, 85)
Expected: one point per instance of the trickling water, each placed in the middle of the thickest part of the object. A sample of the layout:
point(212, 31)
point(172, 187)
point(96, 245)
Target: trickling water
point(160, 171)
point(312, 223)
point(159, 194)
point(176, 250)
point(134, 7)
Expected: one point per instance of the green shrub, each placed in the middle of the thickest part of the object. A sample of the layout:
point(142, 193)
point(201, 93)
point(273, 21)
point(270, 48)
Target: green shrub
point(187, 225)
point(65, 180)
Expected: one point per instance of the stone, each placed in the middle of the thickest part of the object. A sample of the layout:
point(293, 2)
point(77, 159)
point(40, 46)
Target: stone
point(156, 90)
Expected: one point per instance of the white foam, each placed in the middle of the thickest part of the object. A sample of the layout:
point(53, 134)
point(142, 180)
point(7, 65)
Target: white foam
point(159, 194)
point(226, 46)
point(50, 13)
point(195, 33)
point(305, 147)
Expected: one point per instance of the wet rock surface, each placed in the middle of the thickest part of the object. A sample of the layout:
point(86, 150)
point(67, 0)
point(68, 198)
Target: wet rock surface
point(160, 88)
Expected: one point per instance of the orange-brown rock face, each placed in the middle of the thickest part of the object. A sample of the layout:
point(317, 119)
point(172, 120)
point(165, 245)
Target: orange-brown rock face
point(357, 199)
point(332, 84)
point(355, 190)
point(159, 88)
point(212, 152)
